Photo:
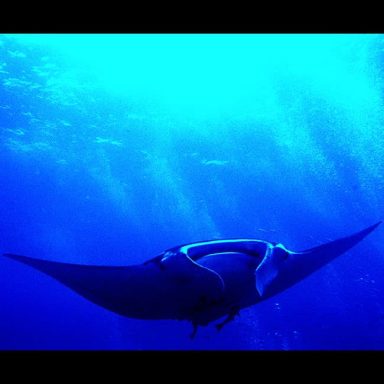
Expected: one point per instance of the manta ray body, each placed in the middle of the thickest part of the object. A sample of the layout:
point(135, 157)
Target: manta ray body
point(199, 282)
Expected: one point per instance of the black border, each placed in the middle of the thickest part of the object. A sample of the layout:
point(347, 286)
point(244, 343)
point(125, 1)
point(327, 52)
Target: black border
point(192, 17)
point(192, 366)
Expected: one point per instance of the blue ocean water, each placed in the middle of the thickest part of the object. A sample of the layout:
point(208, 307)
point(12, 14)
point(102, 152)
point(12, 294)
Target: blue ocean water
point(117, 147)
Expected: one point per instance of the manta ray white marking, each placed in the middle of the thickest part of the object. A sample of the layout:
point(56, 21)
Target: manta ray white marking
point(187, 247)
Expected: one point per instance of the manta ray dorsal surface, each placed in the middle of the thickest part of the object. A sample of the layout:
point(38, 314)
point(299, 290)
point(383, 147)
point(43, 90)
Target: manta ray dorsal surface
point(199, 282)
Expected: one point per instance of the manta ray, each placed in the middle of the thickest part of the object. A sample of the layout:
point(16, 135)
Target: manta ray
point(199, 282)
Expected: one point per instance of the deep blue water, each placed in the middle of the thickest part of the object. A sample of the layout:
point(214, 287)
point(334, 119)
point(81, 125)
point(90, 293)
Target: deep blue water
point(114, 148)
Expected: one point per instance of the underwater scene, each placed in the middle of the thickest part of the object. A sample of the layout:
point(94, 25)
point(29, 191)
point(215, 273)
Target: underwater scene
point(191, 192)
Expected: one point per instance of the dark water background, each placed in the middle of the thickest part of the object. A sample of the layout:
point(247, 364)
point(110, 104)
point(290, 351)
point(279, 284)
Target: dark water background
point(114, 148)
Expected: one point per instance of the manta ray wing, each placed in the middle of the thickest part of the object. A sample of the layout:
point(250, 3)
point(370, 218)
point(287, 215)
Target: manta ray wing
point(143, 291)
